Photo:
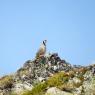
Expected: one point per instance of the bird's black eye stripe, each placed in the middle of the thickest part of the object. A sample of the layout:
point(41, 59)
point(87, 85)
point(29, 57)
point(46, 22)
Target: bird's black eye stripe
point(44, 43)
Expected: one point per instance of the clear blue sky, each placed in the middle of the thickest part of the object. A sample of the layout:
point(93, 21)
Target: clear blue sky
point(68, 25)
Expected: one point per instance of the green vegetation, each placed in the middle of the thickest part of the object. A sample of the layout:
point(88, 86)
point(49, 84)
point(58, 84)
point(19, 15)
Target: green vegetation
point(59, 80)
point(6, 82)
point(12, 93)
point(56, 81)
point(37, 90)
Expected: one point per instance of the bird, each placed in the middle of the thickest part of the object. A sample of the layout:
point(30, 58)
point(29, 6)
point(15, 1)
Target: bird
point(42, 50)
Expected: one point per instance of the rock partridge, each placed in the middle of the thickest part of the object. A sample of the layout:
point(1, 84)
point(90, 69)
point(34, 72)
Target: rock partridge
point(42, 50)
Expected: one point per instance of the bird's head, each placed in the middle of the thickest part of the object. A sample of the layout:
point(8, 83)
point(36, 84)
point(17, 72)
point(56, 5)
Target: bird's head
point(44, 42)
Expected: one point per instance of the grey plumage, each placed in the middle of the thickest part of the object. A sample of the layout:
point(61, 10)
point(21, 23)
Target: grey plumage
point(42, 50)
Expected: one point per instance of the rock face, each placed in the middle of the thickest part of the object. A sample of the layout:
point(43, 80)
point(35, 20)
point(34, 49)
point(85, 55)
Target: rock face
point(36, 71)
point(79, 80)
point(89, 84)
point(56, 91)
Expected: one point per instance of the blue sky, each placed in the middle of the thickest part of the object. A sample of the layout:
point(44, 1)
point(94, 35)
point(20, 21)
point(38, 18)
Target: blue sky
point(68, 25)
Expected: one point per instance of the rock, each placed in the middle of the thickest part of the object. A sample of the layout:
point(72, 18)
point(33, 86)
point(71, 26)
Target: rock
point(76, 80)
point(78, 91)
point(56, 91)
point(81, 80)
point(20, 87)
point(89, 84)
point(35, 71)
point(40, 79)
point(93, 70)
point(55, 68)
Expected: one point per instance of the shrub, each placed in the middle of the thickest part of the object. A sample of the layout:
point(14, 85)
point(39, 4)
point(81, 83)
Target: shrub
point(37, 90)
point(56, 81)
point(12, 93)
point(6, 82)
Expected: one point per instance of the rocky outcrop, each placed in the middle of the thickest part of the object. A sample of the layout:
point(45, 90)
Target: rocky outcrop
point(74, 80)
point(35, 71)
